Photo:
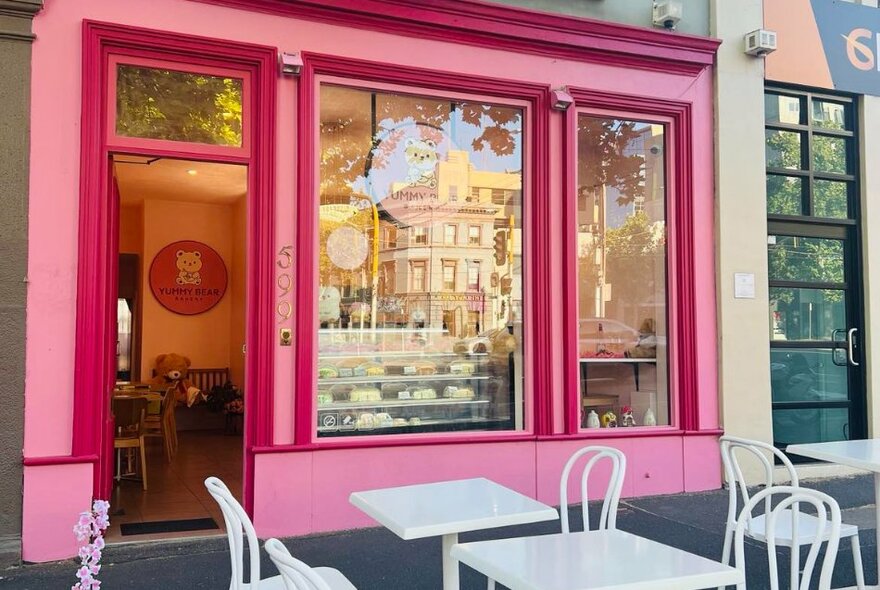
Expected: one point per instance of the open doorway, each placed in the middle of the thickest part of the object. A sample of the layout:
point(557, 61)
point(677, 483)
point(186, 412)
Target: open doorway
point(180, 366)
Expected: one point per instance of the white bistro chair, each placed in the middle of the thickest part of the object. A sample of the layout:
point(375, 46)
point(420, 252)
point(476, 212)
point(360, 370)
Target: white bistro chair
point(238, 522)
point(801, 528)
point(785, 517)
point(608, 514)
point(300, 576)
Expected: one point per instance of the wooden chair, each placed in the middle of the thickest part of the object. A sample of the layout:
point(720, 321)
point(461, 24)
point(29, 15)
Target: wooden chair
point(129, 416)
point(164, 426)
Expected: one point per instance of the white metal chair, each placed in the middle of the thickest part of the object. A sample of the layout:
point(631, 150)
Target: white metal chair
point(300, 576)
point(824, 527)
point(756, 527)
point(237, 521)
point(608, 514)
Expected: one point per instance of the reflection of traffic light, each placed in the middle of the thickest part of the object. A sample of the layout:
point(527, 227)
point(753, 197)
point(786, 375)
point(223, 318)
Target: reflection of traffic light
point(506, 285)
point(500, 248)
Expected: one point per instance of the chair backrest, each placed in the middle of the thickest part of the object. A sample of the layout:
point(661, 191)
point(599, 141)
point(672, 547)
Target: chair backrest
point(733, 471)
point(238, 525)
point(169, 400)
point(129, 414)
point(608, 516)
point(827, 527)
point(296, 574)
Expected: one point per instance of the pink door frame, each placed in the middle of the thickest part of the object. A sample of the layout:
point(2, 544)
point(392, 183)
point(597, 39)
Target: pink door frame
point(96, 277)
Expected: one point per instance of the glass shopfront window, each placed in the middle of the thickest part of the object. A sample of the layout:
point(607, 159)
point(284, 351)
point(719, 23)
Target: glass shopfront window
point(438, 346)
point(622, 287)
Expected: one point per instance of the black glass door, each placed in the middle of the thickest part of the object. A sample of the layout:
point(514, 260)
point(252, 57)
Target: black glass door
point(813, 248)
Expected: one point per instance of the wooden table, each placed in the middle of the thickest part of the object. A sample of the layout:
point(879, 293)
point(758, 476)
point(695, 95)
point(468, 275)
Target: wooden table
point(594, 560)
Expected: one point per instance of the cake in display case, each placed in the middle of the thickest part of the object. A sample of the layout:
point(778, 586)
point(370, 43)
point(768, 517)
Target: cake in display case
point(414, 380)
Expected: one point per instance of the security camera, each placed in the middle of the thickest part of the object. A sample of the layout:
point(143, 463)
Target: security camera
point(667, 13)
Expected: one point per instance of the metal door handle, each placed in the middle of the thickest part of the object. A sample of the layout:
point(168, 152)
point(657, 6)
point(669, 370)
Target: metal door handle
point(849, 346)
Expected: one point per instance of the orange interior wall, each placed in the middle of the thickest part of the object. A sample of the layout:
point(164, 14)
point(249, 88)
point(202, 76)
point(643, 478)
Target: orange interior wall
point(204, 338)
point(237, 291)
point(131, 229)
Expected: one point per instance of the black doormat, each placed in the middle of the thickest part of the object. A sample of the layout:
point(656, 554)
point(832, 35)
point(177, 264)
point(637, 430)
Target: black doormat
point(167, 526)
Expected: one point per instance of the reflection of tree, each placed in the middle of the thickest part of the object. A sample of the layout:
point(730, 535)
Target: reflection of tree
point(179, 106)
point(603, 159)
point(634, 253)
point(784, 193)
point(370, 131)
point(814, 260)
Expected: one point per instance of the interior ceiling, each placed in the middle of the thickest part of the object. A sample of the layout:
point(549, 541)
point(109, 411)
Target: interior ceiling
point(142, 178)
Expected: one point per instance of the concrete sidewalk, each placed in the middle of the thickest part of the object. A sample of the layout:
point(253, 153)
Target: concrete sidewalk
point(376, 559)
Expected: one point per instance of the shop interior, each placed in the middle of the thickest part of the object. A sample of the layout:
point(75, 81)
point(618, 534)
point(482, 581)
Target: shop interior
point(178, 402)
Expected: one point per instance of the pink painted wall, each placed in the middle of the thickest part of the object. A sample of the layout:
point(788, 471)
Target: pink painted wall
point(53, 498)
point(318, 484)
point(657, 463)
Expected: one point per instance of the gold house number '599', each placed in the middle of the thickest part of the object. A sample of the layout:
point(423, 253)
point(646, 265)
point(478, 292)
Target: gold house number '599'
point(284, 282)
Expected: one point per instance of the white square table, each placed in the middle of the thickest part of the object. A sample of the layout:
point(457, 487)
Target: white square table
point(593, 560)
point(861, 454)
point(448, 508)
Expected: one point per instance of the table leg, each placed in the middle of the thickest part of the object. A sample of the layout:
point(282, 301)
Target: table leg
point(450, 566)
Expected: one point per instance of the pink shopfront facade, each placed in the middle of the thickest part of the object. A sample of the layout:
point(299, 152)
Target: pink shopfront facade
point(484, 229)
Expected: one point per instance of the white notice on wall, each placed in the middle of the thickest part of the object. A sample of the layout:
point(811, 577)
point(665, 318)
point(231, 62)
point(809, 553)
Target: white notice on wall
point(744, 285)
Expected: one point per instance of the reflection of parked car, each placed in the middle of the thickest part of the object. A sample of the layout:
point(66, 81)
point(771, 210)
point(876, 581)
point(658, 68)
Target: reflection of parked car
point(613, 333)
point(807, 376)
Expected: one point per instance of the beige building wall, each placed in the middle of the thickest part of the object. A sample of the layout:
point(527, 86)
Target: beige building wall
point(870, 209)
point(741, 223)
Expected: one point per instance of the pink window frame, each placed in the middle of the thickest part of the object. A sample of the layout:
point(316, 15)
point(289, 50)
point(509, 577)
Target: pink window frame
point(96, 302)
point(534, 100)
point(121, 142)
point(675, 116)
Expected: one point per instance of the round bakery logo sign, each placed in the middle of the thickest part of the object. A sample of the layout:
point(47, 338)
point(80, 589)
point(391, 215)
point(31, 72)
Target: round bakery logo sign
point(188, 277)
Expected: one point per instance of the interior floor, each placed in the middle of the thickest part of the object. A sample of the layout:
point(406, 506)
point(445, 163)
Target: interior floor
point(176, 490)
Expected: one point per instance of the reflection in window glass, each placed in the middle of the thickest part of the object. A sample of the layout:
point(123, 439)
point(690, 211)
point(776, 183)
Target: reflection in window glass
point(829, 198)
point(779, 108)
point(829, 154)
point(621, 208)
point(806, 314)
point(154, 103)
point(817, 260)
point(809, 425)
point(439, 348)
point(784, 195)
point(829, 115)
point(783, 149)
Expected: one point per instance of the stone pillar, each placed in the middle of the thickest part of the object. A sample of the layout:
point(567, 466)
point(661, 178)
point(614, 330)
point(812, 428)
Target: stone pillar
point(15, 72)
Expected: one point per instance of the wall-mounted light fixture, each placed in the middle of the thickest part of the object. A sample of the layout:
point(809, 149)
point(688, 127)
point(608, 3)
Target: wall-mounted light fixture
point(291, 64)
point(561, 99)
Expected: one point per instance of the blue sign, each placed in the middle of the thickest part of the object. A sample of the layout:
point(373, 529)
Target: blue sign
point(850, 36)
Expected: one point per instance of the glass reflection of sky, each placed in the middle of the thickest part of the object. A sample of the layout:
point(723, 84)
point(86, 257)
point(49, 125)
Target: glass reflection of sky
point(456, 133)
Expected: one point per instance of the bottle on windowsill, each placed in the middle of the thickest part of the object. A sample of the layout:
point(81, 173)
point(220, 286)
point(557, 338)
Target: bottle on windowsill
point(600, 345)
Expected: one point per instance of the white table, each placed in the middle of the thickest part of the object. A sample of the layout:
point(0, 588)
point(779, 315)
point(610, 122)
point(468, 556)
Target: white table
point(594, 560)
point(861, 454)
point(447, 509)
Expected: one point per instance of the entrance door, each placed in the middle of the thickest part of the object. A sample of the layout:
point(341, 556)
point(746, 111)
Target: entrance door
point(816, 369)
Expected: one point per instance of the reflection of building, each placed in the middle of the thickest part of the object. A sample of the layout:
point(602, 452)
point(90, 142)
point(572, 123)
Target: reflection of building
point(441, 268)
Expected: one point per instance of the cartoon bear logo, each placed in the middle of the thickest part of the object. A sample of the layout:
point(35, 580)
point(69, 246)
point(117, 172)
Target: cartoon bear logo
point(189, 264)
point(421, 157)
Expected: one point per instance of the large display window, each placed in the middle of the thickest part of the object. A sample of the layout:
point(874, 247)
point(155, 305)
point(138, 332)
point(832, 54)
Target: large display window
point(621, 243)
point(419, 263)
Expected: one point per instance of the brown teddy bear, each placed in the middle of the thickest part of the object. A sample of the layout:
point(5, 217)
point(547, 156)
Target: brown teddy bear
point(172, 369)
